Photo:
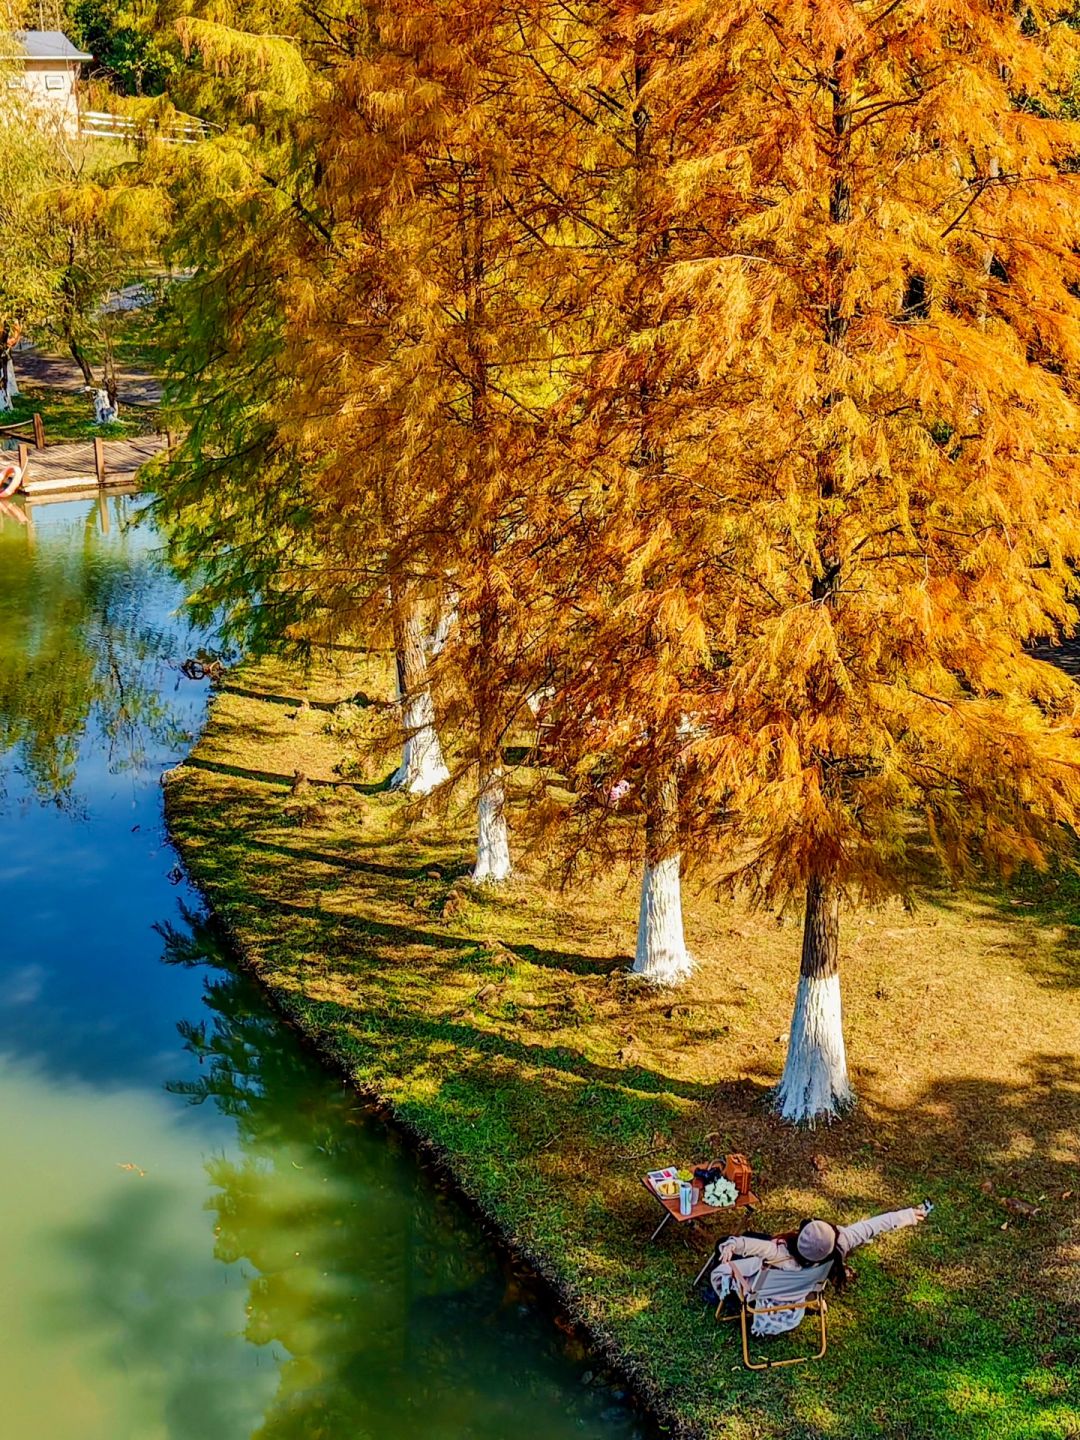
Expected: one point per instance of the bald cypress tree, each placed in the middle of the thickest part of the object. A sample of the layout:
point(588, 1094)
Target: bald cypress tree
point(621, 555)
point(893, 204)
point(430, 346)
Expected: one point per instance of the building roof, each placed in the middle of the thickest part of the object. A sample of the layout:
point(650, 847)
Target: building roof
point(43, 45)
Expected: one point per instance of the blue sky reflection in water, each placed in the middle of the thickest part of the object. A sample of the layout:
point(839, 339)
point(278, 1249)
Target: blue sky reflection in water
point(206, 1237)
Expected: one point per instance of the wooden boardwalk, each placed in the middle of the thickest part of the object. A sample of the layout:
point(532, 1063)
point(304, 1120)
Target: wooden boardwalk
point(57, 468)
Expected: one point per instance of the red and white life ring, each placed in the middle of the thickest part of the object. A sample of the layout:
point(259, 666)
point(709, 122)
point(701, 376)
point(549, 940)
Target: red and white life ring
point(11, 477)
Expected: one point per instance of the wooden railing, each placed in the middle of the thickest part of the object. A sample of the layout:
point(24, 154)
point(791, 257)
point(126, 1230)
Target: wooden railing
point(35, 425)
point(173, 130)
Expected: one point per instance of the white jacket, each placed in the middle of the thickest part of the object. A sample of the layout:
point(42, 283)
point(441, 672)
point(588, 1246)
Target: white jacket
point(745, 1254)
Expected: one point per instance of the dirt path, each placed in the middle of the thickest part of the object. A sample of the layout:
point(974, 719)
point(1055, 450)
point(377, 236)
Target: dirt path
point(59, 372)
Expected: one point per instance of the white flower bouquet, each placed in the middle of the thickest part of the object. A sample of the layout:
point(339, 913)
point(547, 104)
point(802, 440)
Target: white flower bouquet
point(720, 1192)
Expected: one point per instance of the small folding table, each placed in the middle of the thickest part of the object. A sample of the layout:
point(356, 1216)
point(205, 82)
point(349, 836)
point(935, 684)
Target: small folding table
point(700, 1211)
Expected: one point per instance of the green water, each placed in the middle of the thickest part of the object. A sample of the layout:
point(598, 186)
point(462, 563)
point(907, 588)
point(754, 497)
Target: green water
point(204, 1236)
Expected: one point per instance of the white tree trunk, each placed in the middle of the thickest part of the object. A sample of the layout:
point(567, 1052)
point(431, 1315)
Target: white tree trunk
point(444, 624)
point(661, 955)
point(815, 1082)
point(422, 765)
point(492, 840)
point(815, 1079)
point(12, 383)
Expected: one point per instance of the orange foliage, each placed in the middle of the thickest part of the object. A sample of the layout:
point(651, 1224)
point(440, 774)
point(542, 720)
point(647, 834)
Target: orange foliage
point(725, 357)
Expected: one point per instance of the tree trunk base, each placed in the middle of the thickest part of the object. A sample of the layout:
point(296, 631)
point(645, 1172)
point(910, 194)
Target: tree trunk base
point(661, 956)
point(493, 864)
point(814, 1085)
point(422, 766)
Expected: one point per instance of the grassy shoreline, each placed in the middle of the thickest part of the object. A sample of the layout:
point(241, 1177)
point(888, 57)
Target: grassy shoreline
point(502, 1031)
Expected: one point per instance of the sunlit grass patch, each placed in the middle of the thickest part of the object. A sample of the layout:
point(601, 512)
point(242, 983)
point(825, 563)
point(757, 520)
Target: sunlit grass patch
point(69, 415)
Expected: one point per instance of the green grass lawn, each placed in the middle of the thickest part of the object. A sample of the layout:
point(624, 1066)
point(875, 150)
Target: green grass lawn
point(137, 340)
point(504, 1030)
point(69, 415)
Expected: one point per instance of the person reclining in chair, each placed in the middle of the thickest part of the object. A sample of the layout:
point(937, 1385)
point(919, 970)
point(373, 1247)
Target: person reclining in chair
point(741, 1257)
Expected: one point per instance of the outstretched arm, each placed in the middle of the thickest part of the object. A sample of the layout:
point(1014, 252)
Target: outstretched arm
point(850, 1237)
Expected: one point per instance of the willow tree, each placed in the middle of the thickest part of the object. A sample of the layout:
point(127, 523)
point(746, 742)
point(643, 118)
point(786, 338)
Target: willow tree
point(234, 495)
point(78, 223)
point(894, 205)
point(101, 223)
point(27, 278)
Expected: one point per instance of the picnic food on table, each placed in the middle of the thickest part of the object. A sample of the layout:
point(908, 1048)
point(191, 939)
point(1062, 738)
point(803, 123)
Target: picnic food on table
point(717, 1185)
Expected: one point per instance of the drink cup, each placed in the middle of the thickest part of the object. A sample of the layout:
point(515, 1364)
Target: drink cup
point(686, 1197)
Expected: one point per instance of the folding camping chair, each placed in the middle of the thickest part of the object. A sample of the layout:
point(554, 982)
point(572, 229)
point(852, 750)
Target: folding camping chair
point(773, 1289)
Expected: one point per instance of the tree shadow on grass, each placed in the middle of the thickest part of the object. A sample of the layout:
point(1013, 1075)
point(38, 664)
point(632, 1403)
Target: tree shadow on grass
point(1050, 901)
point(1022, 1136)
point(431, 869)
point(397, 936)
point(1033, 899)
point(295, 702)
point(571, 964)
point(368, 930)
point(276, 777)
point(421, 1034)
point(1061, 970)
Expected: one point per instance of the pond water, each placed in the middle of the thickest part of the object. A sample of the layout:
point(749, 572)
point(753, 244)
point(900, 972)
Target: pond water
point(205, 1237)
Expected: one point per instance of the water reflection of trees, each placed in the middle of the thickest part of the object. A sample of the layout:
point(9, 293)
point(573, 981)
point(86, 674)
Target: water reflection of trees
point(80, 652)
point(163, 1336)
point(387, 1301)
